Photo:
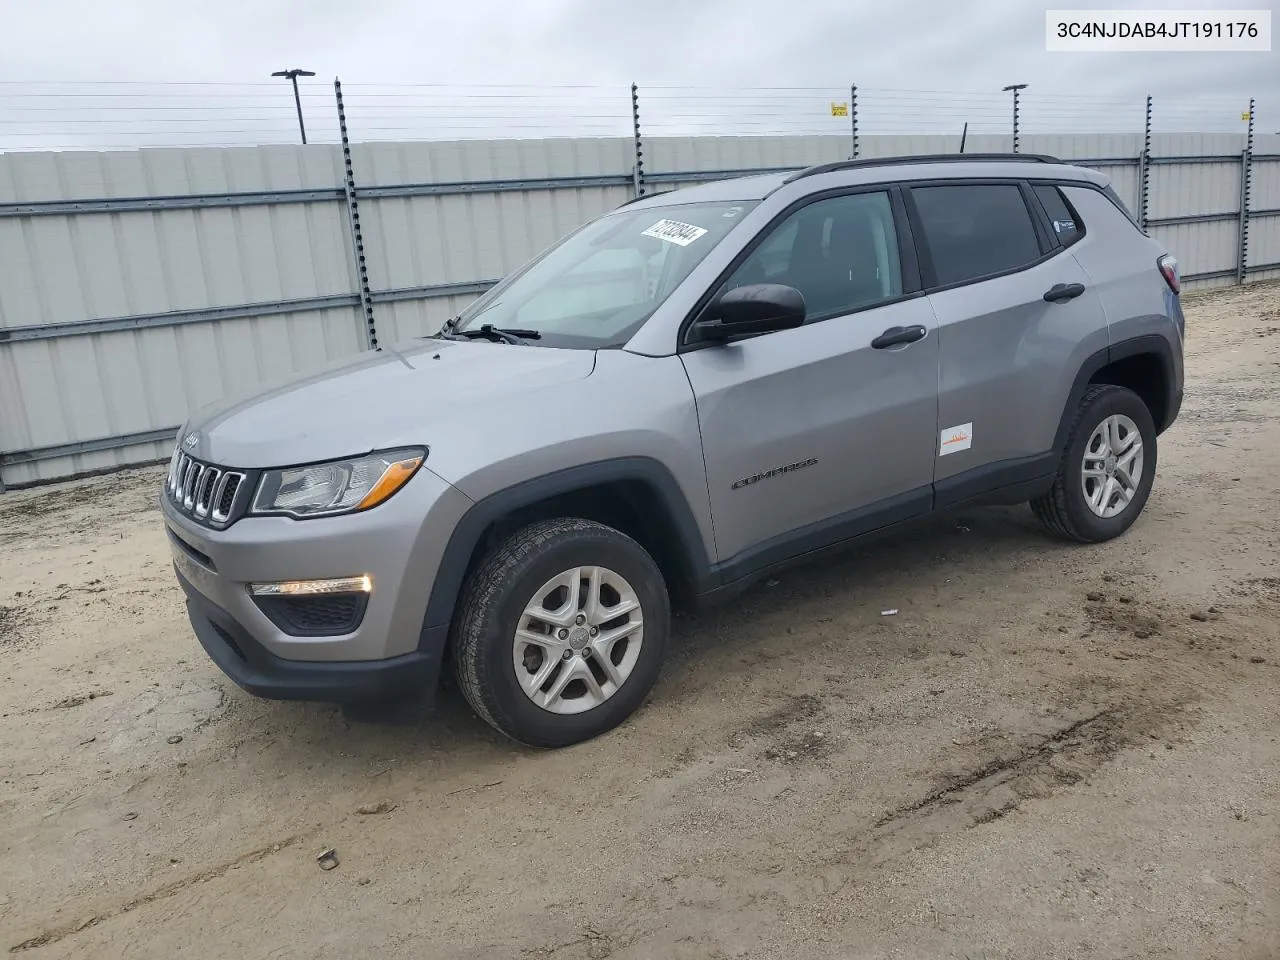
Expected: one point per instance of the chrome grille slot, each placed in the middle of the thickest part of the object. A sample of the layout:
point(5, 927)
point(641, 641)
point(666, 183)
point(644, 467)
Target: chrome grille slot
point(204, 490)
point(224, 499)
point(175, 472)
point(194, 470)
point(207, 493)
point(173, 467)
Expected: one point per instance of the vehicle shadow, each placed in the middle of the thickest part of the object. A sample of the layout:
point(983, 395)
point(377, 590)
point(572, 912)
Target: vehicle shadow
point(893, 571)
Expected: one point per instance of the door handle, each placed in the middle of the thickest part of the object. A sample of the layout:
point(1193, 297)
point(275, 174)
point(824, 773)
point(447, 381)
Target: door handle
point(1062, 292)
point(896, 335)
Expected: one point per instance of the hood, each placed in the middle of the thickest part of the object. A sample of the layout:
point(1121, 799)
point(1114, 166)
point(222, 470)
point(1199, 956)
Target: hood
point(376, 401)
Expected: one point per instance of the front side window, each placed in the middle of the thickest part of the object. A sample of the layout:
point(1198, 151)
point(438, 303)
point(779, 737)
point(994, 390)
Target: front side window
point(841, 253)
point(598, 286)
point(976, 230)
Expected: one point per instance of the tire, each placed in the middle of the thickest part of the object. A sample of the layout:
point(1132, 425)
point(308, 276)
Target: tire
point(1065, 509)
point(491, 661)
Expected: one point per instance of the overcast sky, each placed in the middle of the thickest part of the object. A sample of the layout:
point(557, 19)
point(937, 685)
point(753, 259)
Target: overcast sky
point(921, 46)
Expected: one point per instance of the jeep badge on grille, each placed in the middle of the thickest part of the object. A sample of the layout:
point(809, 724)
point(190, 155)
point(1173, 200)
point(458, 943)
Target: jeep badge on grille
point(191, 440)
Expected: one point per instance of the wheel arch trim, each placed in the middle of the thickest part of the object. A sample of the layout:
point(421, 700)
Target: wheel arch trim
point(1149, 343)
point(470, 529)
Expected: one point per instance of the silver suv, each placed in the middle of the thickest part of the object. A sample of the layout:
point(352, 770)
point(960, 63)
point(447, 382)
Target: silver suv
point(677, 399)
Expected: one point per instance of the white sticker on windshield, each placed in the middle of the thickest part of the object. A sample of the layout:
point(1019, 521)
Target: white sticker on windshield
point(673, 231)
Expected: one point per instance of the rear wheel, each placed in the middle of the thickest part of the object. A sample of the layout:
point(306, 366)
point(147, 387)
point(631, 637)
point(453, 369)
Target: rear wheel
point(1107, 470)
point(561, 632)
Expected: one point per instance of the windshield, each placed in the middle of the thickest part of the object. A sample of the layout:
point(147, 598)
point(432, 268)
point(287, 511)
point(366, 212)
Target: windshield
point(600, 284)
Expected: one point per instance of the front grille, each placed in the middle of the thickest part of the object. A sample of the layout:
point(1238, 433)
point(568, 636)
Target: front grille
point(329, 615)
point(203, 491)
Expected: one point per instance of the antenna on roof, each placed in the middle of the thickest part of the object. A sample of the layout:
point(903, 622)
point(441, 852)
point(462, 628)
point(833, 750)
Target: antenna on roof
point(964, 135)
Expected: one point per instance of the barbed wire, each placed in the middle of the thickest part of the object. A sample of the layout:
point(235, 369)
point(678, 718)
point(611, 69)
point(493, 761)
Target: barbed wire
point(119, 114)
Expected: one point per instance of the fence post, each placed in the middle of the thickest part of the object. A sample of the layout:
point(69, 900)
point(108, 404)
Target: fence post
point(853, 118)
point(637, 171)
point(1015, 87)
point(353, 219)
point(1144, 171)
point(1246, 184)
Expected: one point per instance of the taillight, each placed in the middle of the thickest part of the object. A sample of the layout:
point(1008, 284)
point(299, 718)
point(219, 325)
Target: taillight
point(1169, 270)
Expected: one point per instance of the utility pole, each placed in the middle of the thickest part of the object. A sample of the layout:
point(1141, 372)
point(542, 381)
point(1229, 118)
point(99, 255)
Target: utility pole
point(1015, 87)
point(292, 76)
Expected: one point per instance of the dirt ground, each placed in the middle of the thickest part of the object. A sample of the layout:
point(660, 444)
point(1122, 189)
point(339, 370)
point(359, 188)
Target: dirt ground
point(1049, 752)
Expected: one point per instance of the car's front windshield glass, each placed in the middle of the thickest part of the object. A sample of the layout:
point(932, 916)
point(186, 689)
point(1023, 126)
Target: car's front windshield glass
point(600, 284)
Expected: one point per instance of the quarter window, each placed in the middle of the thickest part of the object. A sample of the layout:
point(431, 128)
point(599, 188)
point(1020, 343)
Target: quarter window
point(976, 230)
point(1061, 217)
point(841, 253)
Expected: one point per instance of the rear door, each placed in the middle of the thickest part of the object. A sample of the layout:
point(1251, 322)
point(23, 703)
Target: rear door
point(1014, 312)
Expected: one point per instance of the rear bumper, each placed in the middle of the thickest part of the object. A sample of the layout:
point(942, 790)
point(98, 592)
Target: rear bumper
point(255, 669)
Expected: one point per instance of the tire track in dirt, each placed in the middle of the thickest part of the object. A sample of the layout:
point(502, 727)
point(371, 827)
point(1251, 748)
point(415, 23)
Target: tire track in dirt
point(54, 934)
point(1104, 709)
point(1026, 768)
point(1035, 769)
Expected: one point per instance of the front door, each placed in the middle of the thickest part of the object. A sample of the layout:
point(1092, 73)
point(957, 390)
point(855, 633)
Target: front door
point(815, 434)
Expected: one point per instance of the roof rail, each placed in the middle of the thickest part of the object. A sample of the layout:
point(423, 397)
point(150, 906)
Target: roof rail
point(643, 196)
point(921, 158)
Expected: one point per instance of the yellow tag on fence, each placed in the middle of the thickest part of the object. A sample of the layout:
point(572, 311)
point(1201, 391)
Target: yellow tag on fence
point(839, 109)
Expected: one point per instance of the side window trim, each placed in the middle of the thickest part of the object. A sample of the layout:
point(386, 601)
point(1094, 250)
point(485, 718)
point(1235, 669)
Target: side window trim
point(1049, 240)
point(908, 249)
point(908, 259)
point(928, 272)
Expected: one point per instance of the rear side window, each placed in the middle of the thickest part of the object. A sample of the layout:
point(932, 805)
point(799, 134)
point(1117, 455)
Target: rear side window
point(976, 230)
point(1062, 218)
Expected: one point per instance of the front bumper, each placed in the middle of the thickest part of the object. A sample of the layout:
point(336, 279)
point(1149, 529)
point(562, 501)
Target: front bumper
point(255, 669)
point(397, 545)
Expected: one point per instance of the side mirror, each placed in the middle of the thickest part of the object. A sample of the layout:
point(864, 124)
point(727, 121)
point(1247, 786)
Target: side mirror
point(757, 308)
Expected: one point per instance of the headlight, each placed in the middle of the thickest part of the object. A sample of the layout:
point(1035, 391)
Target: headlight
point(342, 486)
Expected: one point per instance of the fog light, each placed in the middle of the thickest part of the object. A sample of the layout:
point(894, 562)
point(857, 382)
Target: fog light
point(311, 588)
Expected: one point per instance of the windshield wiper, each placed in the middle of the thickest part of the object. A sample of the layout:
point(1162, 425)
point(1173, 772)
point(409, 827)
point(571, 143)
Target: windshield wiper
point(490, 332)
point(446, 331)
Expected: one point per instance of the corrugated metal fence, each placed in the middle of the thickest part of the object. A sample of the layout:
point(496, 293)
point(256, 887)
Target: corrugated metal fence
point(136, 286)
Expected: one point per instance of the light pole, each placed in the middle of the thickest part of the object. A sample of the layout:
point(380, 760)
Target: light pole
point(1015, 87)
point(292, 76)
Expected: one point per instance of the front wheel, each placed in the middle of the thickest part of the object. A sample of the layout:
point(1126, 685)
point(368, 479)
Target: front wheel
point(1107, 469)
point(561, 632)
